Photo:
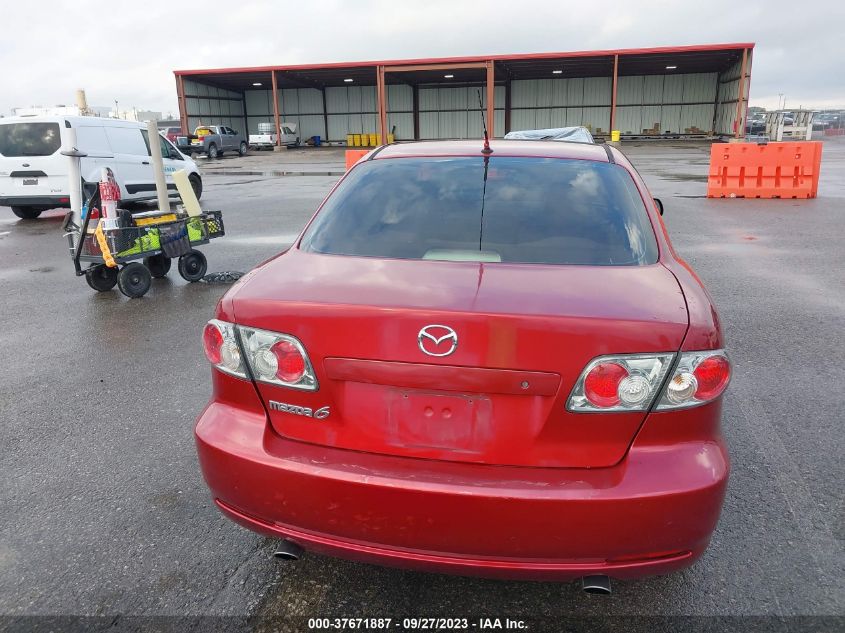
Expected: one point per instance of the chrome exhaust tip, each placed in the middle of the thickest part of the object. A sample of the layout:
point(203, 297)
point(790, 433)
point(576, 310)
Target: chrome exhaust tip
point(288, 550)
point(596, 584)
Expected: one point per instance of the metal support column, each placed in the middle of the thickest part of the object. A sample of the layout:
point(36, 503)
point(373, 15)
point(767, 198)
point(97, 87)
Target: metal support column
point(382, 103)
point(416, 93)
point(325, 116)
point(613, 94)
point(276, 108)
point(507, 106)
point(739, 123)
point(491, 98)
point(183, 104)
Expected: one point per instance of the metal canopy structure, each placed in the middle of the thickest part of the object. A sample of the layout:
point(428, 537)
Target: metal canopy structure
point(725, 68)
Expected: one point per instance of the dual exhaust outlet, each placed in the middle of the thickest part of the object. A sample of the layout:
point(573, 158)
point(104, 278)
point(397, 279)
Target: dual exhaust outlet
point(599, 584)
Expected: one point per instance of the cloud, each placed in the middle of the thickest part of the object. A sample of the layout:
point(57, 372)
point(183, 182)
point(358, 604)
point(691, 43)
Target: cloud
point(126, 51)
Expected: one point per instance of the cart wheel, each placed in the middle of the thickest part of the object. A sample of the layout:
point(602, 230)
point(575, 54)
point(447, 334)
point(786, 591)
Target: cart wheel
point(193, 266)
point(134, 280)
point(101, 278)
point(158, 265)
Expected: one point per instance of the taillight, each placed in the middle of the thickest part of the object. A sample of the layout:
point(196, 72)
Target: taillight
point(278, 359)
point(212, 342)
point(275, 358)
point(627, 382)
point(601, 384)
point(290, 362)
point(219, 340)
point(699, 377)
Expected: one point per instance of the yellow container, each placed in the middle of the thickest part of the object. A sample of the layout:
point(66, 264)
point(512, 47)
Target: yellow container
point(159, 219)
point(349, 139)
point(391, 138)
point(615, 136)
point(373, 139)
point(356, 140)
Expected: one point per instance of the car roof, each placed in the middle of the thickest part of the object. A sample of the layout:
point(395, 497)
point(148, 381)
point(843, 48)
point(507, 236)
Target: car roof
point(74, 120)
point(545, 149)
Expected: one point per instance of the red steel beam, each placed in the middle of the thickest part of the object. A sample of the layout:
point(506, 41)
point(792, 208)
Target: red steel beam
point(183, 103)
point(276, 109)
point(740, 124)
point(613, 94)
point(382, 104)
point(409, 68)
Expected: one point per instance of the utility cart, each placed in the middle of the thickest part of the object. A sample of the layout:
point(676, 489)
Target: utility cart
point(112, 253)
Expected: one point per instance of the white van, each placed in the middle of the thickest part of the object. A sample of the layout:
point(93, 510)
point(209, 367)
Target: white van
point(34, 173)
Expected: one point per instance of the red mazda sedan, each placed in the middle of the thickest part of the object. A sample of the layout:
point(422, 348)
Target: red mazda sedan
point(486, 363)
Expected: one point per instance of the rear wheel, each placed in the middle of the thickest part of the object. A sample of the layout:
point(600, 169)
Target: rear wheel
point(27, 213)
point(212, 151)
point(242, 149)
point(101, 278)
point(196, 184)
point(158, 265)
point(134, 280)
point(193, 266)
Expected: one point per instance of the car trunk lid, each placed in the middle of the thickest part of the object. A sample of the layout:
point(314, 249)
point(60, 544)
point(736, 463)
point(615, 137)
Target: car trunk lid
point(524, 334)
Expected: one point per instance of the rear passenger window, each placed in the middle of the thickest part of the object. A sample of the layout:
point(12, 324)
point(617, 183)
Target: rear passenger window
point(124, 140)
point(29, 139)
point(528, 210)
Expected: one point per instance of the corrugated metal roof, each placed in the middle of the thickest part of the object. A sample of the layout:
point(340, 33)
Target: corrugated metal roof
point(699, 58)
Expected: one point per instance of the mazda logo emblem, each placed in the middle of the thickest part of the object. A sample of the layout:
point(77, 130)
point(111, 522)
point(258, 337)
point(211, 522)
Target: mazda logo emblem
point(437, 340)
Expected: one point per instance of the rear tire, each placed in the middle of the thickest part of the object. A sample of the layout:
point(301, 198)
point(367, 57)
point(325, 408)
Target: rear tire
point(158, 265)
point(101, 278)
point(27, 213)
point(212, 151)
point(242, 149)
point(196, 184)
point(134, 280)
point(193, 266)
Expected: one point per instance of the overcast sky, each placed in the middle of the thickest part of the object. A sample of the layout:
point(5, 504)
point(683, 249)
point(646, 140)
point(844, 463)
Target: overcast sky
point(128, 50)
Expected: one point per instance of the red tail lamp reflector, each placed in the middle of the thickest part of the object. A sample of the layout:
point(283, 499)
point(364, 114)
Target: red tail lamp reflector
point(601, 385)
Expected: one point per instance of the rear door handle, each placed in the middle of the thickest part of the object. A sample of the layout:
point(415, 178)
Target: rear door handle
point(145, 162)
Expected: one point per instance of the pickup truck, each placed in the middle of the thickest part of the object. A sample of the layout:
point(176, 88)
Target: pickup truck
point(266, 137)
point(214, 140)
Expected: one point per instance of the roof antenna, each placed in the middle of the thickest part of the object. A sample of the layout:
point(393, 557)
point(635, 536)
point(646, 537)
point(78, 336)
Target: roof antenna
point(486, 149)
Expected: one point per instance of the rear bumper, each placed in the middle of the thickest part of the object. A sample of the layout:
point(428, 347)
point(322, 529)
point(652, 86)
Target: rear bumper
point(651, 514)
point(48, 202)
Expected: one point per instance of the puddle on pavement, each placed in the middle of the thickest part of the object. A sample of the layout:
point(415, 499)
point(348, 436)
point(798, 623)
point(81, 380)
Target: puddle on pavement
point(683, 177)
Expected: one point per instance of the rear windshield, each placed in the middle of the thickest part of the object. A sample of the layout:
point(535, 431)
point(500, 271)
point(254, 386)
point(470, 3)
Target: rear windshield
point(29, 139)
point(529, 210)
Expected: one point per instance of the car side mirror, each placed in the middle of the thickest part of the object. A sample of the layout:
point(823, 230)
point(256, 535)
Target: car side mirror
point(659, 204)
point(174, 154)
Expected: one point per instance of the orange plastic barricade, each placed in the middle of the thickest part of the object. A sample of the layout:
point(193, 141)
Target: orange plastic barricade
point(354, 155)
point(773, 170)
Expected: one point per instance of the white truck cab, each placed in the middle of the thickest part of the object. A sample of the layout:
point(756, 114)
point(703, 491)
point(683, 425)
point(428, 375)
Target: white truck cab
point(34, 173)
point(266, 137)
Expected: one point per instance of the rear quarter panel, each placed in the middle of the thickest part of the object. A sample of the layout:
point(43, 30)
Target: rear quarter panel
point(705, 331)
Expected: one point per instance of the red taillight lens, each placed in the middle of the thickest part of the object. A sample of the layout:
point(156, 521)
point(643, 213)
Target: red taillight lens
point(277, 359)
point(699, 377)
point(212, 343)
point(619, 382)
point(712, 375)
point(601, 385)
point(291, 364)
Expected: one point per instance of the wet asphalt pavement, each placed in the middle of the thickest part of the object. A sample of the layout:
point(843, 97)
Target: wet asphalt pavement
point(103, 511)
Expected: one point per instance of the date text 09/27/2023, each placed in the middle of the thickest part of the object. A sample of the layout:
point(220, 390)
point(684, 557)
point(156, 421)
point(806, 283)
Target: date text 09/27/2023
point(414, 624)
